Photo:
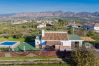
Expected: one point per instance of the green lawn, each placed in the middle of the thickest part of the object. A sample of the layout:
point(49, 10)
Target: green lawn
point(31, 58)
point(11, 39)
point(97, 40)
point(25, 58)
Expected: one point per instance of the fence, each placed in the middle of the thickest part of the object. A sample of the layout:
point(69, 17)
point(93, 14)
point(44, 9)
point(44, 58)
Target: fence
point(29, 54)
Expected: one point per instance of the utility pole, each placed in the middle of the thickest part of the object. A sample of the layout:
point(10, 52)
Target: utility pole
point(12, 49)
point(24, 48)
point(74, 28)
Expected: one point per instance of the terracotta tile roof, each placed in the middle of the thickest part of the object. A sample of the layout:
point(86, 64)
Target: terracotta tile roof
point(87, 39)
point(55, 36)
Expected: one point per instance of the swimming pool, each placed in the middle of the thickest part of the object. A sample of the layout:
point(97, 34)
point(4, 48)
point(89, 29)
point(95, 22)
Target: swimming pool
point(11, 44)
point(8, 43)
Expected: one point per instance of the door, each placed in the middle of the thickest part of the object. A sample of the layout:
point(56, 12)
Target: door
point(75, 45)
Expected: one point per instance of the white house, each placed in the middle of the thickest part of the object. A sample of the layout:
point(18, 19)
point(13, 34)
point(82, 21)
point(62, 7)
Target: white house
point(96, 27)
point(60, 39)
point(43, 25)
point(20, 22)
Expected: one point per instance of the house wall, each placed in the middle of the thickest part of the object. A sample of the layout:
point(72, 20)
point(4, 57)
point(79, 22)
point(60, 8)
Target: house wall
point(96, 28)
point(69, 42)
point(80, 42)
point(66, 43)
point(41, 26)
point(88, 27)
point(37, 43)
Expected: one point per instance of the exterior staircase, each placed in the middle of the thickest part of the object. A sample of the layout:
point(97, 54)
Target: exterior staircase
point(7, 54)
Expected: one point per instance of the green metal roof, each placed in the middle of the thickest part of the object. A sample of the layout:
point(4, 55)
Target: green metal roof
point(74, 37)
point(28, 47)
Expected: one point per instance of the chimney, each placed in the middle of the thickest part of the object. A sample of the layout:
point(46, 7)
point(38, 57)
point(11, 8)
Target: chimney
point(43, 33)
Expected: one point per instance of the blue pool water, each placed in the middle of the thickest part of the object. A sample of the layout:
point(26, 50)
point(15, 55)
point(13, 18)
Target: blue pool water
point(8, 43)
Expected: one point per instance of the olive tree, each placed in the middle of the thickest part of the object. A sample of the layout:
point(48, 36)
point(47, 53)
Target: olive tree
point(84, 57)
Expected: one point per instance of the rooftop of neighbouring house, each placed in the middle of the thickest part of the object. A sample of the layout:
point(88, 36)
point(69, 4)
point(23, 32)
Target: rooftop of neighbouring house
point(89, 23)
point(89, 39)
point(55, 35)
point(72, 23)
point(97, 25)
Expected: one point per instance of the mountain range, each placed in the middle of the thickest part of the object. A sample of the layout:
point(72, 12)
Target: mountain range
point(81, 15)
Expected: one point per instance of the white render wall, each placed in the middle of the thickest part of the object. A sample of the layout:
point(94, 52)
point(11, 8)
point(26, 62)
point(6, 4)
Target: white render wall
point(37, 42)
point(96, 28)
point(66, 43)
point(69, 42)
point(41, 26)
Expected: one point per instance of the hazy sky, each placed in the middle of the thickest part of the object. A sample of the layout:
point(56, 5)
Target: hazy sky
point(14, 6)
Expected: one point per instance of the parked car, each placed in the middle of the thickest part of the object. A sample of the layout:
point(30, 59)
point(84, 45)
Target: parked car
point(97, 45)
